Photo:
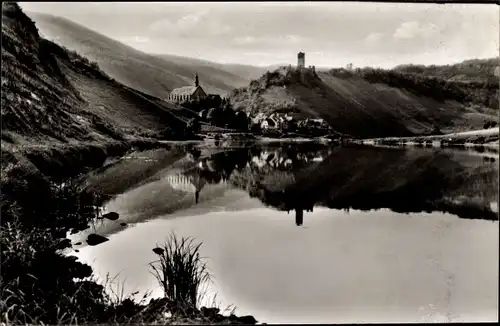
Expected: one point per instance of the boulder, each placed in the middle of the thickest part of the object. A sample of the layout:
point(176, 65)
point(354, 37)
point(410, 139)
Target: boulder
point(95, 239)
point(113, 216)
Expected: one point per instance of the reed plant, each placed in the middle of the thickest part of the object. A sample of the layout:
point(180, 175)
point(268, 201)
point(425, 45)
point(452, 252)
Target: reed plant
point(182, 273)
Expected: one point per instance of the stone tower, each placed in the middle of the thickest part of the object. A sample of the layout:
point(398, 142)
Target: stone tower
point(196, 80)
point(301, 60)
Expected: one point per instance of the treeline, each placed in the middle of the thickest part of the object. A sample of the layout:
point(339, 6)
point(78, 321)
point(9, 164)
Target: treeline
point(419, 80)
point(470, 70)
point(218, 112)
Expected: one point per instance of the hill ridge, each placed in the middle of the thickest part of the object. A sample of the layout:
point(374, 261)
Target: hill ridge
point(353, 105)
point(51, 94)
point(153, 74)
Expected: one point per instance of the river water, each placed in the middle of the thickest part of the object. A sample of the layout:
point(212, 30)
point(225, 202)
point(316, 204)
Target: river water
point(306, 233)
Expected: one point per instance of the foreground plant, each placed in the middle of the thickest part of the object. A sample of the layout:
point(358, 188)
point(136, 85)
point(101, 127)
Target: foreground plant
point(182, 273)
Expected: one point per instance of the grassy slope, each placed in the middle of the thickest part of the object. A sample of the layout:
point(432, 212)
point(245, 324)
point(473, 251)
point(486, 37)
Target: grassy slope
point(153, 74)
point(354, 106)
point(52, 98)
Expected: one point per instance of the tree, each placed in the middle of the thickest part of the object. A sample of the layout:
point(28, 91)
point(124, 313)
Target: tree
point(213, 100)
point(292, 125)
point(255, 128)
point(215, 116)
point(241, 121)
point(228, 116)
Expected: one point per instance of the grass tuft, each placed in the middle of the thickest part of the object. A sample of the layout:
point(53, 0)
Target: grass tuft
point(181, 272)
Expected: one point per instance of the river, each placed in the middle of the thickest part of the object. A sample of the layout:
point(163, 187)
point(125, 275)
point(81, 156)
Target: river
point(301, 233)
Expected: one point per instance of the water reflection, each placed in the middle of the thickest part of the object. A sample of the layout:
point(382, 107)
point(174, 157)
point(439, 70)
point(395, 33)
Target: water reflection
point(236, 202)
point(298, 177)
point(403, 180)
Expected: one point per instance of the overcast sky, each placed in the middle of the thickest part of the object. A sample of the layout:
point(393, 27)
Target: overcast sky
point(331, 33)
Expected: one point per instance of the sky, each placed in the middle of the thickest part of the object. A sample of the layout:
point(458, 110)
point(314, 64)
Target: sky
point(264, 33)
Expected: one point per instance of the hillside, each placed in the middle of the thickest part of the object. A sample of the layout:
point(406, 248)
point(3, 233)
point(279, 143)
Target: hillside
point(55, 100)
point(475, 70)
point(358, 106)
point(152, 74)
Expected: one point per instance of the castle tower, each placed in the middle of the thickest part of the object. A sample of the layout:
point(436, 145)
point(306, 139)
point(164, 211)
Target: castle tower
point(301, 60)
point(196, 80)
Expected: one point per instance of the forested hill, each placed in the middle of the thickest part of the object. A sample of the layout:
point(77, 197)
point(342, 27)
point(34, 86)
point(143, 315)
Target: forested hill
point(475, 70)
point(475, 81)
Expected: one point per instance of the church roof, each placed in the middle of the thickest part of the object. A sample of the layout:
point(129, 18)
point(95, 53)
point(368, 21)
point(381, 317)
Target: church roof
point(186, 90)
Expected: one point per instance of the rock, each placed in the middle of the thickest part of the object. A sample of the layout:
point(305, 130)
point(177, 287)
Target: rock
point(123, 224)
point(95, 239)
point(113, 216)
point(248, 320)
point(158, 250)
point(64, 243)
point(209, 312)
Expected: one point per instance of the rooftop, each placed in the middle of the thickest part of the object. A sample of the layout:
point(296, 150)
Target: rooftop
point(186, 90)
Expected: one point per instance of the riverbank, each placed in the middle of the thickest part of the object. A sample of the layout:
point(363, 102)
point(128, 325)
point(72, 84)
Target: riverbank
point(484, 138)
point(43, 201)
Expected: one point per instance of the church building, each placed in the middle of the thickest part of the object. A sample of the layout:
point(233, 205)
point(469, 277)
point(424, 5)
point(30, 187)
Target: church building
point(188, 92)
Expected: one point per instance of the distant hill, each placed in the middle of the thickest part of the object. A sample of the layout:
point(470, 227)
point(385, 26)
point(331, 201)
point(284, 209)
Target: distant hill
point(475, 81)
point(359, 106)
point(240, 75)
point(156, 75)
point(475, 70)
point(55, 99)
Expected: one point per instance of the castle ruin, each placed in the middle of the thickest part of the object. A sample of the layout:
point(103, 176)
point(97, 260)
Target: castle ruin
point(301, 60)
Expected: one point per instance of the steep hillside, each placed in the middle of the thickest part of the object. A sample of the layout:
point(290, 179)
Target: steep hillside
point(51, 93)
point(53, 99)
point(152, 74)
point(356, 106)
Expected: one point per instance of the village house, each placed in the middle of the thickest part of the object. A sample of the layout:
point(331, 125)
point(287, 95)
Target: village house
point(188, 92)
point(275, 121)
point(268, 124)
point(321, 123)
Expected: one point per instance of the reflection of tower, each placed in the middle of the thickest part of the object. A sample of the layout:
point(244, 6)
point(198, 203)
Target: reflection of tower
point(198, 183)
point(299, 216)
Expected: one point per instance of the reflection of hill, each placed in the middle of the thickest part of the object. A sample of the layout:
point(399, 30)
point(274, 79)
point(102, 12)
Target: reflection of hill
point(297, 179)
point(374, 178)
point(174, 183)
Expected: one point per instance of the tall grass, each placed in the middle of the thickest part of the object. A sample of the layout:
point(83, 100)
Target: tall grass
point(181, 272)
